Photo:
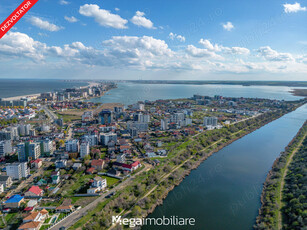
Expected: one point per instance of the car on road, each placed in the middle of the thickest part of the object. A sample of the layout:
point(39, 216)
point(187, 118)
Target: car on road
point(110, 195)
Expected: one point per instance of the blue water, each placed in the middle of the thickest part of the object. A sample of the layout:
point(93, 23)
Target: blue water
point(223, 193)
point(129, 93)
point(20, 87)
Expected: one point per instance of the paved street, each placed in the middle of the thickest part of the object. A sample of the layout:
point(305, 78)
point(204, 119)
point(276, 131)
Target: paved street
point(73, 218)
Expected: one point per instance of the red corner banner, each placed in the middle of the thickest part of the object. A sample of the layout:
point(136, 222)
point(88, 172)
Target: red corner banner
point(15, 16)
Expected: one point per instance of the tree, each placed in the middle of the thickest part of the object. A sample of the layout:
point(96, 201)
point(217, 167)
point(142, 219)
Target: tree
point(87, 158)
point(136, 211)
point(62, 142)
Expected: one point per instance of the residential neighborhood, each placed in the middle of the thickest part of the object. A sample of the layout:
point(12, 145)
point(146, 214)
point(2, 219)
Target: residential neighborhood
point(70, 152)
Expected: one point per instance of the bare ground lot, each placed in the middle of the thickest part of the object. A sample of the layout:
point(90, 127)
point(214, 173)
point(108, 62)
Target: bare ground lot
point(79, 112)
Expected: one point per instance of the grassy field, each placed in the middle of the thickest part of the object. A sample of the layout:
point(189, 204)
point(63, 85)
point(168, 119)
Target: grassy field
point(80, 180)
point(69, 118)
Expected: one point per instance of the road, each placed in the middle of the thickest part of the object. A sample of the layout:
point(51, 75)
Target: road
point(29, 181)
point(69, 134)
point(50, 114)
point(73, 218)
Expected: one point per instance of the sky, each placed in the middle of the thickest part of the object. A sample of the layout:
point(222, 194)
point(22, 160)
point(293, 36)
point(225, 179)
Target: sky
point(157, 40)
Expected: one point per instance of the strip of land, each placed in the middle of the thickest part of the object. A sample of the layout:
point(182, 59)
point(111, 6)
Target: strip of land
point(299, 92)
point(275, 195)
point(289, 160)
point(149, 189)
point(244, 83)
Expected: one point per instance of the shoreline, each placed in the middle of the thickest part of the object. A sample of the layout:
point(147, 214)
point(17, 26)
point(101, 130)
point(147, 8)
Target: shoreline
point(36, 95)
point(182, 170)
point(273, 175)
point(197, 164)
point(299, 92)
point(222, 82)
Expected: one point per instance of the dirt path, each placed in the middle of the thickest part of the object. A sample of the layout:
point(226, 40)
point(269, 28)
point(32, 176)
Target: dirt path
point(282, 184)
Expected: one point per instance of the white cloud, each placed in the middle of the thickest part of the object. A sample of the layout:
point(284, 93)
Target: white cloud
point(144, 53)
point(63, 2)
point(43, 34)
point(45, 25)
point(103, 17)
point(181, 38)
point(228, 26)
point(219, 48)
point(139, 20)
point(208, 45)
point(293, 8)
point(149, 46)
point(173, 36)
point(71, 19)
point(117, 9)
point(120, 51)
point(200, 53)
point(15, 45)
point(271, 55)
point(237, 50)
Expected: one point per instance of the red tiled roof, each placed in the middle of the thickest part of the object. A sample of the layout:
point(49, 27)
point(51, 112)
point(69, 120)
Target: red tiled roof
point(136, 163)
point(31, 216)
point(124, 147)
point(97, 162)
point(37, 160)
point(29, 225)
point(35, 189)
point(90, 170)
point(126, 166)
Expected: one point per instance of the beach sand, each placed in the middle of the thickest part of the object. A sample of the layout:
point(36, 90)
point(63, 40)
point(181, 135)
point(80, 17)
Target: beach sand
point(34, 96)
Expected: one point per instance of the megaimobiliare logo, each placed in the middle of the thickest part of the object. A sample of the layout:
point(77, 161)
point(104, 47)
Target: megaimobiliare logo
point(162, 221)
point(21, 10)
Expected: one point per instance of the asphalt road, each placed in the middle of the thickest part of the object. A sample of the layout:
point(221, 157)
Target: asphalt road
point(73, 218)
point(50, 114)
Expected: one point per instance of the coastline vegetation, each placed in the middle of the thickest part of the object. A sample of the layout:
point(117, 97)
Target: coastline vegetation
point(284, 192)
point(299, 92)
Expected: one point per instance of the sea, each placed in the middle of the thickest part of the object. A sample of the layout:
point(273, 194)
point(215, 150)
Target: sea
point(20, 87)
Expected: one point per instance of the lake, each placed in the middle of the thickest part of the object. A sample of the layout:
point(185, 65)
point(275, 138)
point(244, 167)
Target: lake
point(129, 93)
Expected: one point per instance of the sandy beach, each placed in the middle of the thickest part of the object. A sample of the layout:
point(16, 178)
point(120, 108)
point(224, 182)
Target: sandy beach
point(30, 96)
point(34, 96)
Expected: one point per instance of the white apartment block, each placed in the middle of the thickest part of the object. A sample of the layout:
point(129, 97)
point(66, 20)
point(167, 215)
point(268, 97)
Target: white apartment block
point(87, 116)
point(47, 146)
point(24, 130)
point(92, 139)
point(107, 137)
point(72, 146)
point(17, 171)
point(34, 150)
point(84, 149)
point(5, 148)
point(164, 124)
point(210, 121)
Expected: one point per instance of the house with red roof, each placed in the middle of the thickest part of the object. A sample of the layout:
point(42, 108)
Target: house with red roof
point(124, 148)
point(90, 170)
point(34, 191)
point(127, 167)
point(36, 163)
point(97, 164)
point(34, 220)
